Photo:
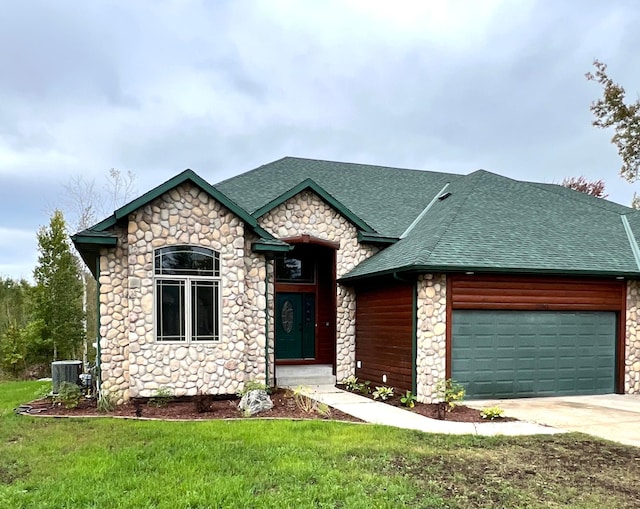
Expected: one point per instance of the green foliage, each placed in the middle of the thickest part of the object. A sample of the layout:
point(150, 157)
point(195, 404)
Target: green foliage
point(450, 392)
point(59, 290)
point(14, 303)
point(43, 391)
point(161, 398)
point(612, 110)
point(352, 384)
point(69, 395)
point(305, 402)
point(383, 393)
point(492, 413)
point(107, 402)
point(409, 400)
point(21, 348)
point(252, 385)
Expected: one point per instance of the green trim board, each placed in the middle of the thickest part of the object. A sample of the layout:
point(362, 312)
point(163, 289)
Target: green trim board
point(376, 238)
point(98, 240)
point(310, 184)
point(156, 192)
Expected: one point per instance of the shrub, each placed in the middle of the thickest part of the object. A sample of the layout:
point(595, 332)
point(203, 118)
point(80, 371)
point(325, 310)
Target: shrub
point(351, 383)
point(492, 413)
point(450, 392)
point(106, 402)
point(161, 398)
point(252, 385)
point(68, 396)
point(383, 393)
point(408, 400)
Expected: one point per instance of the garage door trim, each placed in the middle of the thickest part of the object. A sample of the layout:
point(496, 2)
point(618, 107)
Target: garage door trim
point(600, 295)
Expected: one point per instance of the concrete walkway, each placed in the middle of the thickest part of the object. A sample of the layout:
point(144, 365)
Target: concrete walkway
point(611, 416)
point(381, 413)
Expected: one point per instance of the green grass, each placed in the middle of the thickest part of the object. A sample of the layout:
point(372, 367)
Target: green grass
point(100, 463)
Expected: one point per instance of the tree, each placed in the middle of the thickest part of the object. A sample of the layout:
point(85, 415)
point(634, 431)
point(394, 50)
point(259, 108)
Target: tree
point(612, 111)
point(58, 292)
point(594, 188)
point(86, 203)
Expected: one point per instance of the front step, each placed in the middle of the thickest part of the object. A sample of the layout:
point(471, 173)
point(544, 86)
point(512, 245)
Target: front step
point(312, 374)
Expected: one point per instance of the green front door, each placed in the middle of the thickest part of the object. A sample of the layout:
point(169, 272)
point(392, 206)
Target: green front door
point(295, 326)
point(510, 354)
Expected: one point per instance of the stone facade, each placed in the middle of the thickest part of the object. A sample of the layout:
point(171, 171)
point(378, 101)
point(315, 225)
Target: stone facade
point(632, 343)
point(431, 330)
point(133, 363)
point(307, 214)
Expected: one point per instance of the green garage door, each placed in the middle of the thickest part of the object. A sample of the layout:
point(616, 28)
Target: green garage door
point(514, 354)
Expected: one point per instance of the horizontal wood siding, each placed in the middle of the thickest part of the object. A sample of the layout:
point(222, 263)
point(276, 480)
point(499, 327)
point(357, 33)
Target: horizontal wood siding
point(535, 293)
point(384, 334)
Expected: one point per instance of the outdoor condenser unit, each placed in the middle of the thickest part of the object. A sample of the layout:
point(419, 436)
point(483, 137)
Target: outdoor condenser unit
point(65, 371)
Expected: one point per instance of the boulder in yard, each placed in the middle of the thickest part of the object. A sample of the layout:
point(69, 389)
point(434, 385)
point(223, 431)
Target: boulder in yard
point(255, 401)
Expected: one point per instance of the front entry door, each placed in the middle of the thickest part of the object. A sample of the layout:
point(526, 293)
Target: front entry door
point(295, 326)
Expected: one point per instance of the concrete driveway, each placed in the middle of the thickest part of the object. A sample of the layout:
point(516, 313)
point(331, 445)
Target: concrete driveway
point(612, 416)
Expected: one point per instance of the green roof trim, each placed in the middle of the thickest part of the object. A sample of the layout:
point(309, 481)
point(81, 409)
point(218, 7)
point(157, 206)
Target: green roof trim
point(270, 247)
point(310, 184)
point(425, 269)
point(181, 178)
point(632, 239)
point(97, 240)
point(376, 238)
point(423, 213)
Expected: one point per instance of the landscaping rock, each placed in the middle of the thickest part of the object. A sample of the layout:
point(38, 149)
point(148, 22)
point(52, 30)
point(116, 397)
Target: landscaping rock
point(255, 401)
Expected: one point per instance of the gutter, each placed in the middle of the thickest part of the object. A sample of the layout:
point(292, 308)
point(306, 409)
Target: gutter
point(98, 349)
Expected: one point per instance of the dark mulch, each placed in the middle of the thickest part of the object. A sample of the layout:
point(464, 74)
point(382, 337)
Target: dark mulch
point(460, 413)
point(284, 406)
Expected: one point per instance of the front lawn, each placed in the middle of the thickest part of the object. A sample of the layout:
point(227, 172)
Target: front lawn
point(100, 463)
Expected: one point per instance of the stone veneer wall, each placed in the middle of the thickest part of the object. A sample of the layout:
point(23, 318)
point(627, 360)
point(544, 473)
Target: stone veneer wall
point(114, 318)
point(307, 214)
point(632, 344)
point(431, 333)
point(133, 363)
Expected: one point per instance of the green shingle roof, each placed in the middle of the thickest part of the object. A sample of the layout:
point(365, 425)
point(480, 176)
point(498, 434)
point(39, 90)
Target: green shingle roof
point(488, 223)
point(387, 199)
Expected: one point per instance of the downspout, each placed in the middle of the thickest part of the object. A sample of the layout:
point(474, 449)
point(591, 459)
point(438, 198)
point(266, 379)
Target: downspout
point(266, 321)
point(414, 340)
point(98, 351)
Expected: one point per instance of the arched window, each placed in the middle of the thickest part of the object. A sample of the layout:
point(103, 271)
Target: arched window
point(187, 285)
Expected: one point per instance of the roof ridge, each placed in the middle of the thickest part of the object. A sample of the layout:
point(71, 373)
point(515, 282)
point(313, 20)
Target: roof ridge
point(552, 187)
point(474, 176)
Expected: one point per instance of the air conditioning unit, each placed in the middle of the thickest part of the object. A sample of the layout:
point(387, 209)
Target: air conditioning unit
point(65, 371)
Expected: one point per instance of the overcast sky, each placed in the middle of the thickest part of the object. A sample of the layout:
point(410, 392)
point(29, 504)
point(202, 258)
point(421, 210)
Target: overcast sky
point(224, 86)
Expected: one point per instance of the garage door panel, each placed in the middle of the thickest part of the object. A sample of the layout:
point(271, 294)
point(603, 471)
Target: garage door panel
point(533, 353)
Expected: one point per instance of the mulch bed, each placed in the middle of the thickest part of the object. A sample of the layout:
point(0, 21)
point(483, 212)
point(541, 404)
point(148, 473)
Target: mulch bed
point(460, 413)
point(284, 407)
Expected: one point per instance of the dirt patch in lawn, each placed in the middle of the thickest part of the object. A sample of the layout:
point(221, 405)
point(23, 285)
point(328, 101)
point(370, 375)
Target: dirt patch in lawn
point(460, 413)
point(192, 408)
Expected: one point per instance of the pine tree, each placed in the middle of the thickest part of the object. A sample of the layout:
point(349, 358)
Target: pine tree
point(58, 292)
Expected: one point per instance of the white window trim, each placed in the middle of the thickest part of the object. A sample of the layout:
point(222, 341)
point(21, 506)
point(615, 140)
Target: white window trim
point(188, 332)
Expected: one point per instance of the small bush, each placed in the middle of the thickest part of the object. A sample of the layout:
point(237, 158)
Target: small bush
point(252, 385)
point(351, 383)
point(492, 413)
point(303, 400)
point(408, 400)
point(161, 398)
point(450, 392)
point(68, 396)
point(383, 393)
point(203, 402)
point(106, 402)
point(43, 391)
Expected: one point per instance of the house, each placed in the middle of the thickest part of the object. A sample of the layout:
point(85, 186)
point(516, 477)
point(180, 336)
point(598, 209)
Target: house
point(401, 277)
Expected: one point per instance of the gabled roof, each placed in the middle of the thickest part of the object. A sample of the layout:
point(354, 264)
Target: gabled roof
point(495, 224)
point(89, 241)
point(386, 199)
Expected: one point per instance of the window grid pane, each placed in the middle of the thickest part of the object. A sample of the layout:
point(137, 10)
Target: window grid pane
point(204, 310)
point(170, 309)
point(187, 261)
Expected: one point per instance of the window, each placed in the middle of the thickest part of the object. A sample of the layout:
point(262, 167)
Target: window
point(296, 267)
point(187, 284)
